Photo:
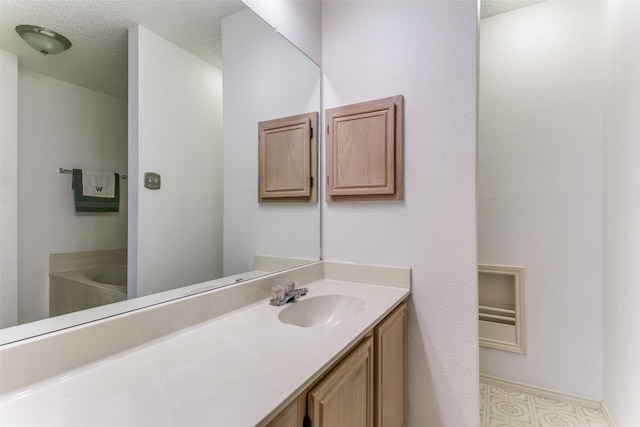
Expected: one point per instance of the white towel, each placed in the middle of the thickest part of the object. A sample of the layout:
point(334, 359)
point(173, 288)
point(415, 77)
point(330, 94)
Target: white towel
point(98, 184)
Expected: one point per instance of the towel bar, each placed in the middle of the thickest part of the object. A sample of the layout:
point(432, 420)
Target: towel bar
point(63, 170)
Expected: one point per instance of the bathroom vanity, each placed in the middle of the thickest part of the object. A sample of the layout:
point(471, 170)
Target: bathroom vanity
point(226, 357)
point(368, 386)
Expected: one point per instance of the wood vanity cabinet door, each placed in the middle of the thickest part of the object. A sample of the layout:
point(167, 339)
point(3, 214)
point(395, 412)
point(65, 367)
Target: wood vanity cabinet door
point(288, 417)
point(344, 398)
point(390, 369)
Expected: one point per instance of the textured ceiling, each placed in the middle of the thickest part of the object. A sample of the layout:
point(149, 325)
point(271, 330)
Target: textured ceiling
point(490, 8)
point(98, 33)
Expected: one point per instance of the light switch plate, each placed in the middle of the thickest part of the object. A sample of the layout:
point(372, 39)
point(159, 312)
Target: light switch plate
point(152, 180)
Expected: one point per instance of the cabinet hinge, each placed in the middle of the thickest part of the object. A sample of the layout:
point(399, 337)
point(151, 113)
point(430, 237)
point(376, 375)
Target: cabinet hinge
point(307, 421)
point(310, 133)
point(311, 181)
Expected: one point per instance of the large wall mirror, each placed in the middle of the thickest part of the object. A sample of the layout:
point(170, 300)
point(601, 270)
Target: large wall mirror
point(171, 87)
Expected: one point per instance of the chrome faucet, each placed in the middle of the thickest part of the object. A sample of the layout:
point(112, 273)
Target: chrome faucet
point(281, 295)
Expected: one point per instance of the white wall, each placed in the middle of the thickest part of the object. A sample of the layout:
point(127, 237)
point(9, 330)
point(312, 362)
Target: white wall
point(540, 187)
point(176, 114)
point(8, 189)
point(62, 125)
point(264, 78)
point(298, 21)
point(621, 133)
point(425, 51)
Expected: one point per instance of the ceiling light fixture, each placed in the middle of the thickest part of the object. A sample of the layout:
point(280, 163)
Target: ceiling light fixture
point(43, 40)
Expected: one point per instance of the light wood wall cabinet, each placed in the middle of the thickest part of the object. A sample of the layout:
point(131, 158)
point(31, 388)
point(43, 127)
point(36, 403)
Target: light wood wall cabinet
point(287, 159)
point(364, 150)
point(366, 388)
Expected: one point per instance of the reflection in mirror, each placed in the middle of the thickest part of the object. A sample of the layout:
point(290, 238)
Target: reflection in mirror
point(204, 227)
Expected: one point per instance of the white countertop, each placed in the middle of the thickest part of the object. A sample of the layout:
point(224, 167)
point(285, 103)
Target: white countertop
point(52, 324)
point(234, 370)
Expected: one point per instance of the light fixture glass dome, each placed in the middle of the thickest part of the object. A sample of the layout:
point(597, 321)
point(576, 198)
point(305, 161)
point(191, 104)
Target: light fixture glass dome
point(43, 40)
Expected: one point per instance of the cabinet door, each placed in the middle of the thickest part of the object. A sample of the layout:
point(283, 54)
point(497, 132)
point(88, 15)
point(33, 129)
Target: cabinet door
point(390, 369)
point(287, 159)
point(344, 398)
point(288, 417)
point(364, 154)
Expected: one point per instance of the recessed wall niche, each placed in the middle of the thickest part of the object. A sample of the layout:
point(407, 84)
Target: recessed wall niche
point(501, 307)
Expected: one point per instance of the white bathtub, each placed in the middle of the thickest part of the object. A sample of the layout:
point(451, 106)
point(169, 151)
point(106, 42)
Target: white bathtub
point(108, 275)
point(84, 288)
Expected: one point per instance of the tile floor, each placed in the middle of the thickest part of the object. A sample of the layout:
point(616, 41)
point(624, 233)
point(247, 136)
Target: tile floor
point(504, 407)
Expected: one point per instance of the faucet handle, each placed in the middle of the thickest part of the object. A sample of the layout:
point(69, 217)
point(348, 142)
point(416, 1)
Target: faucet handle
point(292, 285)
point(277, 292)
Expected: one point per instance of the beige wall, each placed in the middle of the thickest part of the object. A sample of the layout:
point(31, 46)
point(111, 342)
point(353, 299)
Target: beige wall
point(62, 125)
point(8, 189)
point(175, 118)
point(426, 51)
point(621, 133)
point(540, 187)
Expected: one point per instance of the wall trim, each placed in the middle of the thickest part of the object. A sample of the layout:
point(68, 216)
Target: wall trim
point(607, 415)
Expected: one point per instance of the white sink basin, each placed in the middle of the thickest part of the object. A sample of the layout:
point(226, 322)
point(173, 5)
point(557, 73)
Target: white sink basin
point(321, 310)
